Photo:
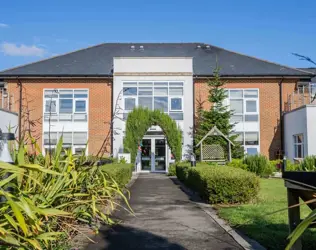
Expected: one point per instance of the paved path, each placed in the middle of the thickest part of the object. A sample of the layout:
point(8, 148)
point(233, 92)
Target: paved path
point(165, 218)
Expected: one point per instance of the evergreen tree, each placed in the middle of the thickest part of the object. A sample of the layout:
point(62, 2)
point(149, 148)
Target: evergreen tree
point(218, 115)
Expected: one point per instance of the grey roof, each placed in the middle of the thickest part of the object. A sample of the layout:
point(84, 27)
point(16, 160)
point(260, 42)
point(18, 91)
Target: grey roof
point(98, 61)
point(311, 70)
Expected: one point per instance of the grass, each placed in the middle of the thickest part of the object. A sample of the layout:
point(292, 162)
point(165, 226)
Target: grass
point(269, 230)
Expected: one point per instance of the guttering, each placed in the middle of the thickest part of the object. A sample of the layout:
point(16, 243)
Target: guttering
point(256, 76)
point(54, 76)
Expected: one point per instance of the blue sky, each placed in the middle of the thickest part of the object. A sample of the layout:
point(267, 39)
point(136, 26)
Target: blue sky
point(271, 30)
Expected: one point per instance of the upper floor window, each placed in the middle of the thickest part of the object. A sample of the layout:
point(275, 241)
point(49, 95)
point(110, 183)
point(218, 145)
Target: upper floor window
point(65, 104)
point(164, 96)
point(245, 105)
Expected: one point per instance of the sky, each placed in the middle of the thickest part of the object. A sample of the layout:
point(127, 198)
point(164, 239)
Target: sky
point(272, 30)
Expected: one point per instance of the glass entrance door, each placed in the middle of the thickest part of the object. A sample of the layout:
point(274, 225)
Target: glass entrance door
point(160, 155)
point(153, 154)
point(146, 155)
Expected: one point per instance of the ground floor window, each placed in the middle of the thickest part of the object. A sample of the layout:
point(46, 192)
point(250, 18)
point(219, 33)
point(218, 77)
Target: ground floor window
point(76, 141)
point(299, 146)
point(249, 140)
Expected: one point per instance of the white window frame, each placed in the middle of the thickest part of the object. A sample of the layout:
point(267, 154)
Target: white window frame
point(296, 144)
point(167, 84)
point(72, 145)
point(175, 110)
point(56, 104)
point(80, 112)
point(57, 114)
point(247, 113)
point(129, 97)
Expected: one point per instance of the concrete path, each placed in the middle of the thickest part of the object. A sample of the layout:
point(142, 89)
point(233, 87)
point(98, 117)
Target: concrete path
point(165, 218)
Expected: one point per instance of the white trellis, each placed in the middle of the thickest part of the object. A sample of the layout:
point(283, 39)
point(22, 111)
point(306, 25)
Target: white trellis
point(214, 152)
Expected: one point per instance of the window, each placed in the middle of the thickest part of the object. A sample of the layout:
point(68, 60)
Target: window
point(251, 138)
point(129, 91)
point(237, 106)
point(239, 137)
point(65, 106)
point(178, 116)
point(248, 93)
point(252, 151)
point(76, 141)
point(164, 96)
point(145, 91)
point(161, 103)
point(235, 94)
point(176, 91)
point(176, 104)
point(161, 91)
point(145, 102)
point(299, 146)
point(130, 103)
point(251, 106)
point(80, 106)
point(50, 106)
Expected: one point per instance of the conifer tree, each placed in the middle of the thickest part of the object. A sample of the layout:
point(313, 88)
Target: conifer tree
point(218, 115)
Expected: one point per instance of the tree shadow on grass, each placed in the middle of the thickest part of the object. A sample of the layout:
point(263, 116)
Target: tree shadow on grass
point(120, 237)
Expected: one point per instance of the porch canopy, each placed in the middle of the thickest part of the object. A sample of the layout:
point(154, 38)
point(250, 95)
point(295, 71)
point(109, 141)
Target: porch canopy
point(214, 152)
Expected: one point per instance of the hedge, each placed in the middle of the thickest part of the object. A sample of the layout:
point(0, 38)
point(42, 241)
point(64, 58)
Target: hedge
point(121, 173)
point(219, 184)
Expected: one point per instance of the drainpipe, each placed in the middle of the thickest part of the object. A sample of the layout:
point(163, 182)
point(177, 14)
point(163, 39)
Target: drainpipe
point(281, 114)
point(20, 110)
point(194, 126)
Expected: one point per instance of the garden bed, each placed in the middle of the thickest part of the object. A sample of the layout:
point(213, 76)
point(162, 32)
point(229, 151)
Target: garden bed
point(258, 220)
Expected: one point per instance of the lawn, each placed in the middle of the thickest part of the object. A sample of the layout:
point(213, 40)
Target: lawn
point(269, 230)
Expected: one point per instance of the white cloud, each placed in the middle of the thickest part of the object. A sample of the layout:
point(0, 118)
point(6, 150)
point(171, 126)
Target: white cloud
point(3, 25)
point(12, 49)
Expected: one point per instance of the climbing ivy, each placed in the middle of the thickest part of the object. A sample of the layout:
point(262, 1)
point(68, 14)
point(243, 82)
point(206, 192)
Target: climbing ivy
point(140, 120)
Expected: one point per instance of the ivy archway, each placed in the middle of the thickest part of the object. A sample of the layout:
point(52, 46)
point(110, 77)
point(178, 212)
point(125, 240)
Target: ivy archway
point(140, 120)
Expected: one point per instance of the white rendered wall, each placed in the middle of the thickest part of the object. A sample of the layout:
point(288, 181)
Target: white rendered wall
point(311, 129)
point(295, 122)
point(154, 69)
point(8, 119)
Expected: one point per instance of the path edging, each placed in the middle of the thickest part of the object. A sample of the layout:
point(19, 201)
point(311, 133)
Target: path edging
point(244, 241)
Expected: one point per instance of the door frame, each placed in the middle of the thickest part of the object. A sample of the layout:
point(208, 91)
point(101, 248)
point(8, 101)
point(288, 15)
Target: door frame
point(153, 149)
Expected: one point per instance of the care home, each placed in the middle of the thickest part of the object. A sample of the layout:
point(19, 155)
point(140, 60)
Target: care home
point(86, 95)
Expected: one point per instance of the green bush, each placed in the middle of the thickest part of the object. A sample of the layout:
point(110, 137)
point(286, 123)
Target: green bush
point(259, 165)
point(121, 173)
point(182, 171)
point(172, 170)
point(237, 163)
point(308, 163)
point(276, 165)
point(220, 184)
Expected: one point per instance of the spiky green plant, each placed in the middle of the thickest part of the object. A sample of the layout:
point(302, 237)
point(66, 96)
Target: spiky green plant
point(43, 203)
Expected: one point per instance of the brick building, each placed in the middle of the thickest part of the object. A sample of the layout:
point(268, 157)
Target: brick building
point(83, 94)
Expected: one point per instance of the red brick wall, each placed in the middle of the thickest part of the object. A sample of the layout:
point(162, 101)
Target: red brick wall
point(100, 106)
point(270, 136)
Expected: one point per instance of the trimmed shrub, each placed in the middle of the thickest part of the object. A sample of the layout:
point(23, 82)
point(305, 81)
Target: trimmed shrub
point(172, 170)
point(259, 165)
point(121, 173)
point(237, 163)
point(182, 171)
point(220, 184)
